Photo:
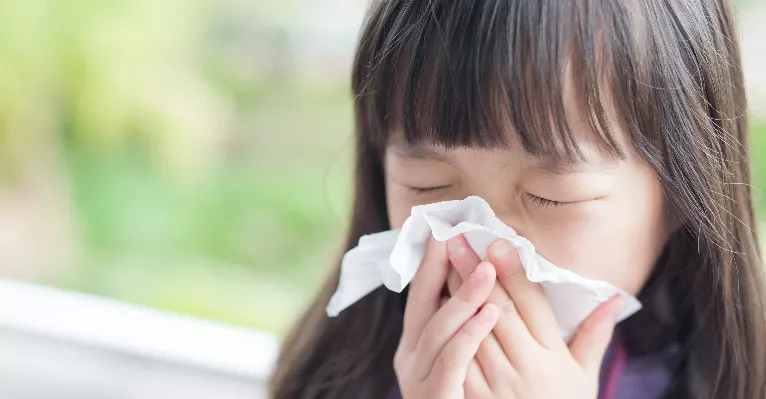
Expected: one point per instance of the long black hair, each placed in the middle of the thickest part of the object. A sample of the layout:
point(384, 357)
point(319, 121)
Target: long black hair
point(455, 72)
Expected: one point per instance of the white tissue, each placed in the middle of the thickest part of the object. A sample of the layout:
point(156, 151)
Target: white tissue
point(392, 257)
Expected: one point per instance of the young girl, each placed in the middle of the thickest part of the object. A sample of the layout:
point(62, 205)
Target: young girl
point(612, 135)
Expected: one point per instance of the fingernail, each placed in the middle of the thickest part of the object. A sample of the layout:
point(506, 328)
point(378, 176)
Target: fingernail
point(455, 246)
point(617, 307)
point(479, 274)
point(503, 249)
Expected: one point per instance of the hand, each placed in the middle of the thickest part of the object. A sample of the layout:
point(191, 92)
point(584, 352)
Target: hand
point(439, 340)
point(525, 357)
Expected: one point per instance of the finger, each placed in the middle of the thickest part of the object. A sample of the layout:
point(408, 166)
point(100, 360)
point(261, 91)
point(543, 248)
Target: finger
point(476, 385)
point(594, 334)
point(491, 354)
point(462, 256)
point(453, 359)
point(510, 329)
point(494, 362)
point(454, 281)
point(424, 293)
point(528, 297)
point(449, 319)
point(464, 260)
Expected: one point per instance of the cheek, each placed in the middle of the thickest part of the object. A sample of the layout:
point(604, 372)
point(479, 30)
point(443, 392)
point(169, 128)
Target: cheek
point(618, 241)
point(615, 252)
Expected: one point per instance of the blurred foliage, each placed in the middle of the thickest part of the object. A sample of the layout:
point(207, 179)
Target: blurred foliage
point(110, 71)
point(247, 242)
point(25, 81)
point(200, 181)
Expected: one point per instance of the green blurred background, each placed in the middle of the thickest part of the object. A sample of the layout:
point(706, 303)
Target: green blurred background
point(193, 155)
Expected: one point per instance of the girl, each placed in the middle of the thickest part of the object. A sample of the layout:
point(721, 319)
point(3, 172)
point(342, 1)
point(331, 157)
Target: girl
point(612, 135)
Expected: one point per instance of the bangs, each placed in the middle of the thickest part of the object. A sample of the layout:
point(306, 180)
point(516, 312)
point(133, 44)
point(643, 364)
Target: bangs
point(457, 73)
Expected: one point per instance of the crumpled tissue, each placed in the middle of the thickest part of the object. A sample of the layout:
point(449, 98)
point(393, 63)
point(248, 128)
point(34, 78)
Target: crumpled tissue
point(392, 257)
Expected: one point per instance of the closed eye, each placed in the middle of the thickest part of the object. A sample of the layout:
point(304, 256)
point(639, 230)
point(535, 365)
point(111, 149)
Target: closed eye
point(422, 190)
point(545, 203)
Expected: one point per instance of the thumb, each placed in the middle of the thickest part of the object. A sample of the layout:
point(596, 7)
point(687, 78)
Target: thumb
point(589, 344)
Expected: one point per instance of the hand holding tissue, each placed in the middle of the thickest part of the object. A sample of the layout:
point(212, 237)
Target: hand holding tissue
point(392, 257)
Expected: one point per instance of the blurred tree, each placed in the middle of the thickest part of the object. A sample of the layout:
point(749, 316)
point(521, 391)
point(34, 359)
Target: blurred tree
point(34, 206)
point(98, 75)
point(131, 71)
point(107, 72)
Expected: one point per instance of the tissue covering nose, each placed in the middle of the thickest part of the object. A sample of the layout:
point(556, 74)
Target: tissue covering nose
point(392, 257)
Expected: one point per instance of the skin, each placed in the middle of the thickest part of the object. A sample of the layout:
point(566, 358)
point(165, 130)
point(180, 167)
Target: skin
point(604, 218)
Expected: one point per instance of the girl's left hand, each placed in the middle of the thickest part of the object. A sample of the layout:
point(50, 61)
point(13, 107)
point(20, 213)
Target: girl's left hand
point(525, 357)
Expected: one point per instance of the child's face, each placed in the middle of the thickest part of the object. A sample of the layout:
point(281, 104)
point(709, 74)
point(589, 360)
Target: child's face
point(608, 221)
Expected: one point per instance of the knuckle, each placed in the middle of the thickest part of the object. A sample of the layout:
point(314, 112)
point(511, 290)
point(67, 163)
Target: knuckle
point(443, 364)
point(428, 334)
point(444, 361)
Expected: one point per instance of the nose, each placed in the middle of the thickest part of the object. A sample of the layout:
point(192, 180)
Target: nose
point(512, 216)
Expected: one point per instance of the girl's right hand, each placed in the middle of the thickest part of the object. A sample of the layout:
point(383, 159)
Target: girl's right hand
point(438, 341)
